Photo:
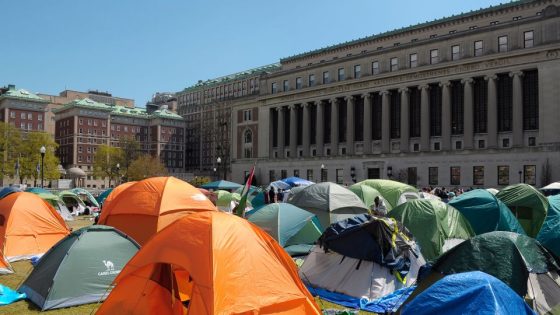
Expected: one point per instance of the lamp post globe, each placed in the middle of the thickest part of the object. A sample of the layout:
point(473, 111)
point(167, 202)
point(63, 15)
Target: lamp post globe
point(42, 150)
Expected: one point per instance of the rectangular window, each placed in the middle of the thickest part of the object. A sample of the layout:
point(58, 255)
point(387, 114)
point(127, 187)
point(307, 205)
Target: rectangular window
point(414, 112)
point(12, 114)
point(79, 158)
point(88, 149)
point(528, 39)
point(434, 56)
point(89, 122)
point(455, 172)
point(341, 75)
point(395, 114)
point(530, 174)
point(79, 149)
point(504, 91)
point(274, 88)
point(22, 126)
point(283, 173)
point(480, 105)
point(89, 158)
point(412, 176)
point(457, 100)
point(299, 83)
point(376, 113)
point(103, 124)
point(502, 44)
point(311, 80)
point(80, 121)
point(326, 78)
point(30, 116)
point(413, 60)
point(310, 175)
point(40, 126)
point(433, 175)
point(339, 176)
point(324, 174)
point(22, 116)
point(478, 48)
point(375, 67)
point(29, 126)
point(503, 175)
point(357, 71)
point(286, 85)
point(95, 123)
point(435, 104)
point(531, 100)
point(478, 175)
point(394, 64)
point(455, 52)
point(126, 129)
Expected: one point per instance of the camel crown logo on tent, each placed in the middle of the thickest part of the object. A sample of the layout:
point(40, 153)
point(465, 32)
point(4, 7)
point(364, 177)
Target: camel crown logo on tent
point(110, 269)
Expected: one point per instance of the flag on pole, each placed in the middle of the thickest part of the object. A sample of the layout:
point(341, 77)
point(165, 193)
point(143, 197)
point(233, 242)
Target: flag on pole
point(240, 209)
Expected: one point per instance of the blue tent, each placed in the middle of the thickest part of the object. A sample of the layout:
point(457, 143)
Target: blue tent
point(37, 190)
point(221, 184)
point(8, 190)
point(485, 212)
point(549, 235)
point(102, 196)
point(296, 181)
point(467, 293)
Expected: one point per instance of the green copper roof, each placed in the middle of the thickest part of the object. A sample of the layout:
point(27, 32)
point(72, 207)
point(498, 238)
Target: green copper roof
point(127, 111)
point(85, 103)
point(407, 28)
point(22, 95)
point(165, 113)
point(232, 77)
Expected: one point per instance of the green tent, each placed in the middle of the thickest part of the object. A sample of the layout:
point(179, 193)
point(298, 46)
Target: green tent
point(485, 212)
point(329, 202)
point(518, 260)
point(80, 268)
point(549, 234)
point(367, 194)
point(527, 204)
point(295, 229)
point(394, 192)
point(54, 201)
point(436, 226)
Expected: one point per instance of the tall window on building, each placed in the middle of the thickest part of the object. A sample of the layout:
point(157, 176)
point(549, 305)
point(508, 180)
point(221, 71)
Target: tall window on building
point(395, 114)
point(375, 67)
point(434, 56)
point(530, 174)
point(435, 110)
point(376, 100)
point(286, 85)
point(528, 39)
point(312, 123)
point(299, 83)
point(504, 87)
point(311, 80)
point(274, 88)
point(414, 112)
point(455, 172)
point(340, 176)
point(413, 60)
point(503, 175)
point(478, 175)
point(412, 176)
point(478, 48)
point(247, 115)
point(326, 78)
point(480, 105)
point(274, 118)
point(341, 75)
point(455, 52)
point(433, 176)
point(358, 119)
point(457, 114)
point(530, 100)
point(502, 43)
point(394, 64)
point(310, 175)
point(357, 71)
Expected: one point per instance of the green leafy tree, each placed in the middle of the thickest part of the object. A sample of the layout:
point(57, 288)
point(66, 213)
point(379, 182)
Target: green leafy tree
point(131, 150)
point(10, 140)
point(29, 156)
point(146, 166)
point(106, 160)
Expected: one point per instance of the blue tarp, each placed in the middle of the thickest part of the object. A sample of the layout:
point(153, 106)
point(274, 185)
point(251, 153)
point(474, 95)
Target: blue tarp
point(9, 296)
point(387, 304)
point(296, 181)
point(467, 293)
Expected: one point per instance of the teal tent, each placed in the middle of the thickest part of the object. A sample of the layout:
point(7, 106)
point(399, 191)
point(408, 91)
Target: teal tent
point(329, 202)
point(394, 192)
point(293, 228)
point(102, 196)
point(86, 197)
point(436, 226)
point(485, 212)
point(221, 184)
point(80, 268)
point(528, 205)
point(549, 234)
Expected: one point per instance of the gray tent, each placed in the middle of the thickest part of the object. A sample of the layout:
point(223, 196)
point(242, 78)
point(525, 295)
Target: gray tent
point(329, 202)
point(80, 268)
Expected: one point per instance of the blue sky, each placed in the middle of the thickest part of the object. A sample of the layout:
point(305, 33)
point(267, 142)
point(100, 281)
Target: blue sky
point(134, 48)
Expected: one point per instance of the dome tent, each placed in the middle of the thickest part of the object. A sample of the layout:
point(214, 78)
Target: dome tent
point(394, 192)
point(436, 226)
point(147, 206)
point(528, 205)
point(80, 268)
point(367, 194)
point(329, 202)
point(549, 235)
point(210, 263)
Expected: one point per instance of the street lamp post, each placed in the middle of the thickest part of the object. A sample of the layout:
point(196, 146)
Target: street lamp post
point(219, 161)
point(117, 180)
point(43, 150)
point(322, 171)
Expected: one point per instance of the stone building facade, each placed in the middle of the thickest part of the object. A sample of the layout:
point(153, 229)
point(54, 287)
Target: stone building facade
point(465, 101)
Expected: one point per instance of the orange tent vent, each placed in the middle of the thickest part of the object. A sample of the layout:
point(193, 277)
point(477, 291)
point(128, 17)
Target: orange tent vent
point(29, 226)
point(210, 263)
point(145, 207)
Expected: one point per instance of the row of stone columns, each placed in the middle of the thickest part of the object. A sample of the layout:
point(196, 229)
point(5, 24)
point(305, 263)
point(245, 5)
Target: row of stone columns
point(468, 134)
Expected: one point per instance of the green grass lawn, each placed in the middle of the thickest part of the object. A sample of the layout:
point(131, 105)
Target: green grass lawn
point(23, 268)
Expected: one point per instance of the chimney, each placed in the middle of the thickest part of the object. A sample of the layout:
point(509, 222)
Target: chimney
point(11, 87)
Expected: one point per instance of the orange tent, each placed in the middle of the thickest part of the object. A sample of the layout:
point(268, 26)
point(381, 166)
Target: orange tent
point(5, 266)
point(29, 226)
point(210, 263)
point(148, 206)
point(117, 190)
